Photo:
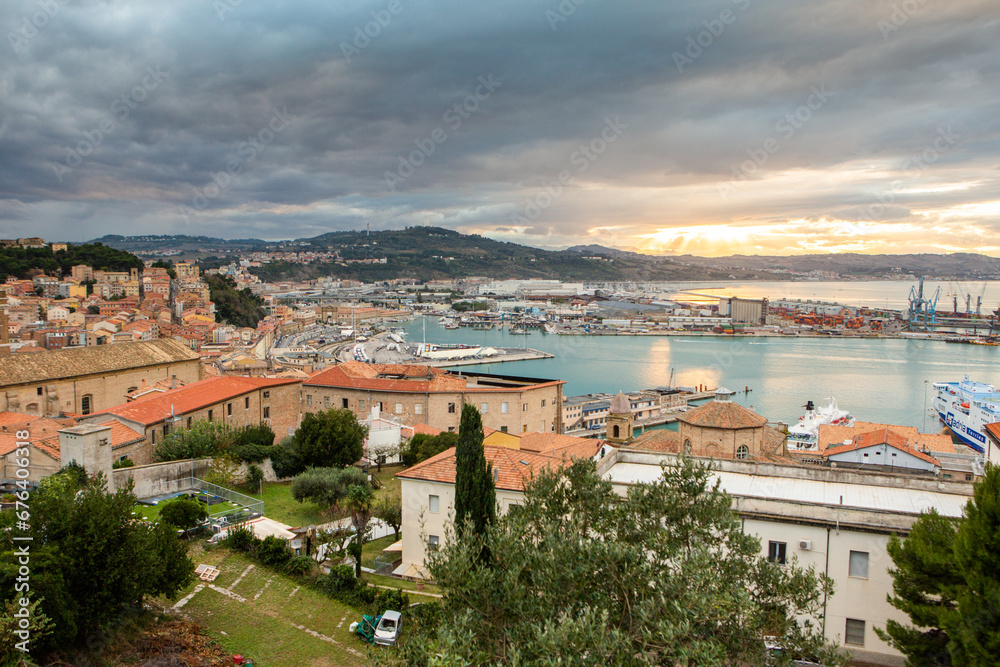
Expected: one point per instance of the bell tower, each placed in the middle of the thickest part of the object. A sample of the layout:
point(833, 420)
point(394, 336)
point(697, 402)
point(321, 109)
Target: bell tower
point(620, 421)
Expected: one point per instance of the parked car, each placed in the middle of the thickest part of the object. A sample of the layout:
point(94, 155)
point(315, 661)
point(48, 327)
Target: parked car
point(387, 631)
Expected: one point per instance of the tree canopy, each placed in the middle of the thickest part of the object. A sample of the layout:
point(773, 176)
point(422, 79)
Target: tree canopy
point(475, 495)
point(183, 513)
point(240, 308)
point(91, 561)
point(947, 580)
point(327, 486)
point(422, 446)
point(329, 439)
point(18, 262)
point(577, 576)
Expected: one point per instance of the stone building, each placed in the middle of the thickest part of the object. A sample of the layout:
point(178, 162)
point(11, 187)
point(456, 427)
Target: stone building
point(414, 394)
point(237, 401)
point(718, 429)
point(90, 379)
point(620, 420)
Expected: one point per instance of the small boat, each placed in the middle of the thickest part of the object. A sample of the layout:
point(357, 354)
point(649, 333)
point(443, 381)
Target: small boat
point(519, 331)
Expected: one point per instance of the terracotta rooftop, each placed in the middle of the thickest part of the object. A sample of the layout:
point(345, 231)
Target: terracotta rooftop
point(426, 429)
point(154, 408)
point(387, 377)
point(58, 364)
point(44, 432)
point(560, 446)
point(835, 436)
point(513, 467)
point(993, 430)
point(723, 414)
point(882, 436)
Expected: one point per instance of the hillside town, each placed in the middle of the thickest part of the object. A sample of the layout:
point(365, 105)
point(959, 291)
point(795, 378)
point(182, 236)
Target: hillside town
point(111, 370)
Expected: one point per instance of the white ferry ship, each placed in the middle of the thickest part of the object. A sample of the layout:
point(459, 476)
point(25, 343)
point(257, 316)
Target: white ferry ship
point(804, 436)
point(966, 407)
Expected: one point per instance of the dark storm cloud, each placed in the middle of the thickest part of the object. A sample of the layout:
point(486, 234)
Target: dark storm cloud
point(128, 117)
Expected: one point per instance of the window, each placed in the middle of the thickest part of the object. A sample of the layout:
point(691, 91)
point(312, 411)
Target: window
point(131, 389)
point(776, 552)
point(267, 412)
point(418, 409)
point(152, 435)
point(344, 403)
point(166, 429)
point(858, 566)
point(434, 503)
point(267, 394)
point(433, 542)
point(854, 634)
point(451, 408)
point(543, 402)
point(189, 422)
point(524, 429)
point(309, 399)
point(484, 408)
point(399, 408)
point(326, 401)
point(86, 403)
point(361, 405)
point(616, 432)
point(504, 408)
point(229, 409)
point(687, 445)
point(743, 452)
point(503, 429)
point(209, 415)
point(246, 402)
point(524, 407)
point(38, 391)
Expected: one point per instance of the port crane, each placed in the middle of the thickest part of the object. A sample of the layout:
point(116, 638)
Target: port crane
point(922, 310)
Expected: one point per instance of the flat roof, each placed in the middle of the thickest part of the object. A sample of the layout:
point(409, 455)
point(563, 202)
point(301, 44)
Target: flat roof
point(809, 491)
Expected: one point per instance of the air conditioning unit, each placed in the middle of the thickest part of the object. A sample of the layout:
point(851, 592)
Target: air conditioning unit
point(805, 545)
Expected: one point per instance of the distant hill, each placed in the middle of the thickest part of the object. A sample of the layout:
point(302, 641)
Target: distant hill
point(426, 253)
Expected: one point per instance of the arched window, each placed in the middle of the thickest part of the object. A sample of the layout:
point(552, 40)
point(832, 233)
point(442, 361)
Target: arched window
point(31, 408)
point(616, 431)
point(86, 404)
point(743, 452)
point(687, 445)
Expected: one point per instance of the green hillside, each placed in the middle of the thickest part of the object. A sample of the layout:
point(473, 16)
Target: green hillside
point(18, 262)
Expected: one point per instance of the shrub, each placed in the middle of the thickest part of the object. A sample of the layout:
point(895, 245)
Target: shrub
point(394, 599)
point(241, 539)
point(274, 551)
point(254, 476)
point(300, 566)
point(340, 580)
point(123, 463)
point(285, 461)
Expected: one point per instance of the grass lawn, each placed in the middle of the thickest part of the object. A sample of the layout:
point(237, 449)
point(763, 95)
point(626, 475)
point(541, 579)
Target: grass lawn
point(280, 506)
point(390, 484)
point(369, 550)
point(151, 512)
point(270, 618)
point(409, 586)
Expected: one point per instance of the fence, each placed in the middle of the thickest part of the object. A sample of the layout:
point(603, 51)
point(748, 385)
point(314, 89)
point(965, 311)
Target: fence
point(253, 504)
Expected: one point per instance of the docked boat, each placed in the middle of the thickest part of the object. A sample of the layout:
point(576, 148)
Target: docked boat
point(804, 435)
point(966, 408)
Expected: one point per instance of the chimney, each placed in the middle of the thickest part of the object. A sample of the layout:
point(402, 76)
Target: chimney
point(173, 382)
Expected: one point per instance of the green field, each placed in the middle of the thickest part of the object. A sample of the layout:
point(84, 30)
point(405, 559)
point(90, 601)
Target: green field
point(151, 512)
point(280, 506)
point(274, 620)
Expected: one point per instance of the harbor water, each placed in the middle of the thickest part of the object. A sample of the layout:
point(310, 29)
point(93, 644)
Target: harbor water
point(880, 380)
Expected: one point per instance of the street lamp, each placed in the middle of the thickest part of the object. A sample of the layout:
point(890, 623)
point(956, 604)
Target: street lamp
point(925, 406)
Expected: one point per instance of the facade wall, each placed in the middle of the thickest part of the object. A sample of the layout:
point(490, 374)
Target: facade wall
point(105, 390)
point(721, 443)
point(40, 464)
point(858, 598)
point(525, 411)
point(281, 406)
point(420, 523)
point(883, 455)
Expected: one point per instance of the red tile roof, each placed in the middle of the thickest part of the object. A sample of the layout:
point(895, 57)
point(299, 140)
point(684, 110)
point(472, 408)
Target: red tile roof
point(723, 414)
point(834, 436)
point(426, 429)
point(993, 430)
point(560, 446)
point(154, 408)
point(513, 467)
point(387, 377)
point(44, 432)
point(883, 436)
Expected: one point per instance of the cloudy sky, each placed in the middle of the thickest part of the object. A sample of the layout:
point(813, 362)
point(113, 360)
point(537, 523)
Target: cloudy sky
point(709, 127)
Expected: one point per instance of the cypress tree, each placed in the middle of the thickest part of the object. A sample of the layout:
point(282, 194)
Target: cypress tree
point(475, 495)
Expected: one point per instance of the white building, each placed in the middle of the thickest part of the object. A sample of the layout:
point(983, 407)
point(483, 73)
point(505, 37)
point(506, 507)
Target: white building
point(838, 521)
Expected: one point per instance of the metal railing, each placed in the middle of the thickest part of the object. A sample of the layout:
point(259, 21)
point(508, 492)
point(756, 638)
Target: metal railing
point(253, 504)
